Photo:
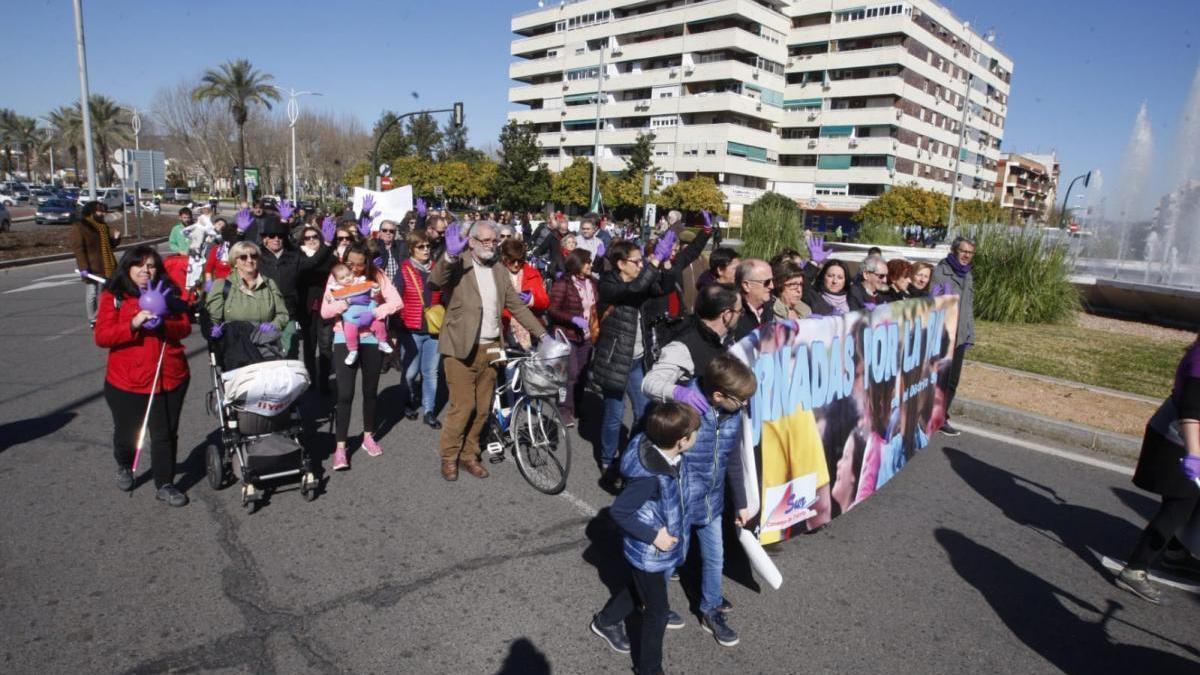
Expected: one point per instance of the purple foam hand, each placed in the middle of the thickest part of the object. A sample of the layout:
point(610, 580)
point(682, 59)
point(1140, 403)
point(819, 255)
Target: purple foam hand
point(364, 320)
point(526, 297)
point(378, 262)
point(208, 286)
point(455, 241)
point(152, 323)
point(328, 229)
point(422, 209)
point(368, 204)
point(691, 397)
point(817, 251)
point(1190, 465)
point(600, 250)
point(286, 209)
point(364, 226)
point(580, 323)
point(665, 245)
point(944, 288)
point(708, 224)
point(243, 220)
point(360, 299)
point(869, 306)
point(267, 327)
point(154, 298)
point(217, 331)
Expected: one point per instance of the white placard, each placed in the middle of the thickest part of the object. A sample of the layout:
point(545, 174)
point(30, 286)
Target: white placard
point(389, 205)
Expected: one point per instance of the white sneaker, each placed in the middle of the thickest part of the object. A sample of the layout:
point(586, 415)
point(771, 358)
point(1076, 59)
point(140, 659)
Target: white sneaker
point(385, 348)
point(352, 357)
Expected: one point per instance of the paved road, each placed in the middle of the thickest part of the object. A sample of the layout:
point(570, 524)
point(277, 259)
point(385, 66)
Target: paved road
point(982, 556)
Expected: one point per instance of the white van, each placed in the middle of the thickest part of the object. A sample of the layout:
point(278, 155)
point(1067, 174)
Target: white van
point(110, 197)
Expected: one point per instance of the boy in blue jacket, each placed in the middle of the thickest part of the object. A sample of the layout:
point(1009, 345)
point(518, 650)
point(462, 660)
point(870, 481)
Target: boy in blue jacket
point(727, 384)
point(651, 514)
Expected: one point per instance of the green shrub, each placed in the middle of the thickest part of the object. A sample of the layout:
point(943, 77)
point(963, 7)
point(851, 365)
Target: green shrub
point(1021, 277)
point(879, 234)
point(769, 225)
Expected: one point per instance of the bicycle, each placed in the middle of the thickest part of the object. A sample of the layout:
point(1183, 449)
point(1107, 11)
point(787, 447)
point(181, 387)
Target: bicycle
point(531, 429)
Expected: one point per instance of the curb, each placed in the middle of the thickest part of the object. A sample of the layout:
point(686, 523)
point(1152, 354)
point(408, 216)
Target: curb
point(1068, 433)
point(1066, 383)
point(22, 262)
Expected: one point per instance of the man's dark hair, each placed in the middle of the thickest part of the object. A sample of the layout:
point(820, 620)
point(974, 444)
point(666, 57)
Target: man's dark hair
point(874, 250)
point(121, 286)
point(959, 240)
point(185, 210)
point(714, 299)
point(620, 252)
point(589, 218)
point(575, 260)
point(670, 422)
point(720, 258)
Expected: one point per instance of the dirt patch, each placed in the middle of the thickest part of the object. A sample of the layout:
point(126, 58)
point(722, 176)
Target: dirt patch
point(1077, 404)
point(1133, 328)
point(51, 239)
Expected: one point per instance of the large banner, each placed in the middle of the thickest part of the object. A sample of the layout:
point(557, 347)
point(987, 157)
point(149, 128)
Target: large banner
point(842, 404)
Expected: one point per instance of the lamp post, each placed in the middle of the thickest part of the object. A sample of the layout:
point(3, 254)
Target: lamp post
point(135, 121)
point(85, 99)
point(1062, 217)
point(457, 119)
point(293, 111)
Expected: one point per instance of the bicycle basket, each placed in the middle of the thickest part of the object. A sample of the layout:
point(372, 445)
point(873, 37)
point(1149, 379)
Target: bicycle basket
point(543, 377)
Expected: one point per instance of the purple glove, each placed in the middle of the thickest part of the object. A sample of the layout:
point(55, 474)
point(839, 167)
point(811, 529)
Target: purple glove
point(286, 209)
point(1190, 466)
point(599, 250)
point(83, 274)
point(360, 299)
point(152, 323)
point(708, 225)
point(422, 209)
point(154, 299)
point(364, 320)
point(526, 297)
point(378, 262)
point(817, 251)
point(266, 327)
point(328, 229)
point(691, 397)
point(455, 241)
point(243, 220)
point(665, 245)
point(217, 331)
point(869, 306)
point(944, 288)
point(208, 286)
point(364, 226)
point(580, 323)
point(368, 204)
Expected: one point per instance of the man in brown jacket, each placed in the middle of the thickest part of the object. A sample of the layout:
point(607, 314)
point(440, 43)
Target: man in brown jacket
point(93, 243)
point(471, 337)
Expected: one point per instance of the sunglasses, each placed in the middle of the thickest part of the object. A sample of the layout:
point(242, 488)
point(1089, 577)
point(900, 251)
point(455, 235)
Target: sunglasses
point(342, 238)
point(311, 237)
point(272, 236)
point(421, 247)
point(248, 256)
point(767, 283)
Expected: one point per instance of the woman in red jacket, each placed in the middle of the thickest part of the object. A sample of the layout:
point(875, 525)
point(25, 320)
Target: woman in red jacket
point(573, 309)
point(529, 284)
point(419, 345)
point(134, 338)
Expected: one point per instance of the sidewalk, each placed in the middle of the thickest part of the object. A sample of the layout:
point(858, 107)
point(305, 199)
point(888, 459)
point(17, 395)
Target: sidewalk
point(1075, 414)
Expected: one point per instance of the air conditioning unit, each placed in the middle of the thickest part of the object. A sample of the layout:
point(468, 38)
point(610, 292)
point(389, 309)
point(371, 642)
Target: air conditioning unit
point(566, 86)
point(615, 51)
point(562, 136)
point(689, 70)
point(895, 145)
point(758, 106)
point(813, 115)
point(791, 62)
point(673, 72)
point(826, 86)
point(563, 112)
point(812, 144)
point(891, 173)
point(755, 73)
point(854, 142)
point(899, 113)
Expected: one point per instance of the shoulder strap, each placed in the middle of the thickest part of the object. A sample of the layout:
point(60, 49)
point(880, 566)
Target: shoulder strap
point(417, 285)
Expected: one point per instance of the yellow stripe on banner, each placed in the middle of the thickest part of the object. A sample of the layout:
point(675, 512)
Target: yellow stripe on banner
point(794, 473)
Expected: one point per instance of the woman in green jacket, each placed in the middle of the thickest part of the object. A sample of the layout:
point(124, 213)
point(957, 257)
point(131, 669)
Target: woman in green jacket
point(253, 297)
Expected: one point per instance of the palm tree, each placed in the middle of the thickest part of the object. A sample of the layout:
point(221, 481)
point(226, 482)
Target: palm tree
point(66, 125)
point(110, 127)
point(7, 120)
point(23, 133)
point(240, 86)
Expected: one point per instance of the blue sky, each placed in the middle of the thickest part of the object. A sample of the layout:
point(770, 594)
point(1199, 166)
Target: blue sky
point(1081, 70)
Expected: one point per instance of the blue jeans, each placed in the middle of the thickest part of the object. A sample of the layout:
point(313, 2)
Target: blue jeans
point(712, 559)
point(614, 412)
point(420, 358)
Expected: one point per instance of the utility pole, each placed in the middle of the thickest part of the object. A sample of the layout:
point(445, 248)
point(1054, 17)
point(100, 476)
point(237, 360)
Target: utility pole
point(293, 111)
point(85, 99)
point(594, 201)
point(962, 134)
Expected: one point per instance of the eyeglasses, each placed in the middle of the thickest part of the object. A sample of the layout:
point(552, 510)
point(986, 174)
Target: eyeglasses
point(421, 247)
point(766, 283)
point(736, 401)
point(248, 256)
point(272, 236)
point(386, 230)
point(794, 285)
point(311, 237)
point(342, 238)
point(486, 242)
point(635, 261)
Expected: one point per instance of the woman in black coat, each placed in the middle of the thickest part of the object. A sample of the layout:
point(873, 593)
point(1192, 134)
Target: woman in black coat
point(310, 287)
point(828, 296)
point(1169, 466)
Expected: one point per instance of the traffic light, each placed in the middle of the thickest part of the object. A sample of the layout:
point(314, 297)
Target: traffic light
point(458, 115)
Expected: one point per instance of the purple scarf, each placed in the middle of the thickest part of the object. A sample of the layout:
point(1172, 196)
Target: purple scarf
point(959, 269)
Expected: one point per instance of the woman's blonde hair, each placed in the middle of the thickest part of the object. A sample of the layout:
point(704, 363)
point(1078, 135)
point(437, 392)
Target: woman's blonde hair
point(240, 248)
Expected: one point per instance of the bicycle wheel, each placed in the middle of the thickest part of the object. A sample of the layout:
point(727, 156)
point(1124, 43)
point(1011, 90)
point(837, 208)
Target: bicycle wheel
point(542, 446)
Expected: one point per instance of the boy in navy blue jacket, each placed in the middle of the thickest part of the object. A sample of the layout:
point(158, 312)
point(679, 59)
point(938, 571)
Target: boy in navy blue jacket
point(727, 385)
point(651, 514)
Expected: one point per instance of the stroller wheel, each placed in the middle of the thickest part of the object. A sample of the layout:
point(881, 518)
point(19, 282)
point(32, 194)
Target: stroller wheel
point(308, 486)
point(250, 498)
point(217, 472)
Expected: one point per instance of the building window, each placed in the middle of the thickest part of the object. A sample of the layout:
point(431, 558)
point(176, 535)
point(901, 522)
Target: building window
point(583, 74)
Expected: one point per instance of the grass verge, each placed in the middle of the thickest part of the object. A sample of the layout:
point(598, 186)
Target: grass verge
point(1130, 363)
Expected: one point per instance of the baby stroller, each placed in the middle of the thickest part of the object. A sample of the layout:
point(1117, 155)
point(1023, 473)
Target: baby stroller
point(254, 400)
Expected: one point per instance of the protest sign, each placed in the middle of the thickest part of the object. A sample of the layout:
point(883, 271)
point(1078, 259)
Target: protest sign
point(389, 204)
point(842, 404)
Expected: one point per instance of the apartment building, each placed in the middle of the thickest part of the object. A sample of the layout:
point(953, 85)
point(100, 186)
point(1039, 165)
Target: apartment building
point(826, 101)
point(1026, 185)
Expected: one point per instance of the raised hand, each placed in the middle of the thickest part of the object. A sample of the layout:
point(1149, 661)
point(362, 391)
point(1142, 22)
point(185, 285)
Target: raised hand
point(83, 275)
point(708, 224)
point(286, 209)
point(526, 297)
point(368, 204)
point(691, 397)
point(944, 288)
point(243, 220)
point(817, 251)
point(378, 262)
point(422, 209)
point(328, 229)
point(599, 251)
point(364, 226)
point(665, 246)
point(455, 241)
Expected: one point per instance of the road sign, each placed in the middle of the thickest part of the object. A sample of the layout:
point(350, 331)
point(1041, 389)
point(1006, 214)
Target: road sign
point(651, 214)
point(385, 183)
point(438, 190)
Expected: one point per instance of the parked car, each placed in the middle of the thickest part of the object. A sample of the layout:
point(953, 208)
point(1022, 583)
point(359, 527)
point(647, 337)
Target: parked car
point(179, 195)
point(41, 196)
point(7, 199)
point(56, 211)
point(110, 196)
point(5, 220)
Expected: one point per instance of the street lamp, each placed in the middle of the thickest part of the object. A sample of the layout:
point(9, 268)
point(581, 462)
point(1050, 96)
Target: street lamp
point(293, 111)
point(135, 121)
point(456, 119)
point(1062, 218)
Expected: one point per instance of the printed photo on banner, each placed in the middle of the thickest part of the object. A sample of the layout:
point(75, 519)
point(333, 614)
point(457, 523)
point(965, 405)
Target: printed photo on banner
point(842, 404)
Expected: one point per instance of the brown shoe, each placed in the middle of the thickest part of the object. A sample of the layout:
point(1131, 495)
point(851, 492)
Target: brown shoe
point(449, 469)
point(474, 468)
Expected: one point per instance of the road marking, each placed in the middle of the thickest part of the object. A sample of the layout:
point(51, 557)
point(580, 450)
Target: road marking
point(1117, 566)
point(1046, 449)
point(580, 505)
point(44, 284)
point(64, 333)
point(67, 275)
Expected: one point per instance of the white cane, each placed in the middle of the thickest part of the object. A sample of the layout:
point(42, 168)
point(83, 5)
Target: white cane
point(137, 453)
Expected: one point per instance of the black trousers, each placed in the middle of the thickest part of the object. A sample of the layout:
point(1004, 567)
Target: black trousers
point(370, 362)
point(950, 383)
point(652, 589)
point(1160, 532)
point(315, 362)
point(128, 409)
